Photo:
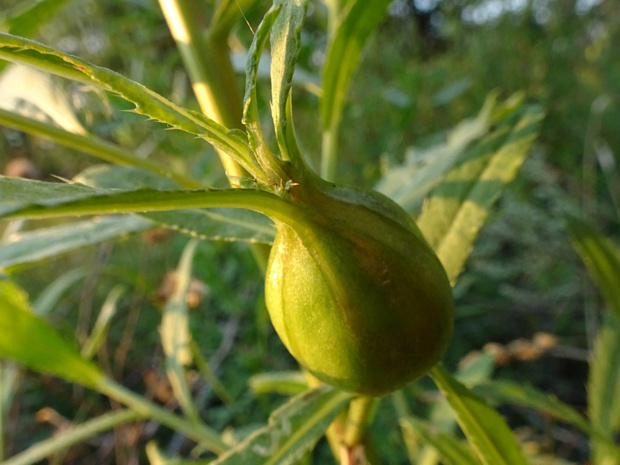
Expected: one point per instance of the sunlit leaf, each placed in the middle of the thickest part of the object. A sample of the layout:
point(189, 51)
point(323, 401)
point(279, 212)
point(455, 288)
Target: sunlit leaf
point(285, 47)
point(292, 430)
point(409, 183)
point(251, 117)
point(460, 206)
point(30, 341)
point(34, 94)
point(487, 432)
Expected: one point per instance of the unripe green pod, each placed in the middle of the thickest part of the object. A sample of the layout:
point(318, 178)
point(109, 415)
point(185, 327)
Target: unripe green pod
point(355, 293)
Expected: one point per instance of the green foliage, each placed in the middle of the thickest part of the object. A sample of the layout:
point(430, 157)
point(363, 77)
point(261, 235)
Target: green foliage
point(30, 341)
point(450, 182)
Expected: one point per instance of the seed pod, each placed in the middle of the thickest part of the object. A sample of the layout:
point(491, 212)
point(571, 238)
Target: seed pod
point(355, 292)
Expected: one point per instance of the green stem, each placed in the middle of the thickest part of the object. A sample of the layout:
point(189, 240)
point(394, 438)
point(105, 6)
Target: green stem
point(207, 60)
point(75, 435)
point(361, 411)
point(209, 67)
point(93, 146)
point(141, 201)
point(199, 432)
point(329, 160)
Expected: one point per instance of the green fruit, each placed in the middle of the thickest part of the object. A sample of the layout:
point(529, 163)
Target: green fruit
point(354, 291)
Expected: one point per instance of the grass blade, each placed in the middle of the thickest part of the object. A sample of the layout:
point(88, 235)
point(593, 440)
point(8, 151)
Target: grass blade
point(175, 335)
point(100, 330)
point(485, 429)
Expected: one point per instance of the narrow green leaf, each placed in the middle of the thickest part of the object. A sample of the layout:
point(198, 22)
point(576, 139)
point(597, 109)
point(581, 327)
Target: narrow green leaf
point(175, 335)
point(292, 430)
point(30, 341)
point(104, 319)
point(251, 118)
point(33, 246)
point(285, 47)
point(485, 429)
point(26, 198)
point(451, 220)
point(474, 370)
point(281, 382)
point(452, 451)
point(220, 224)
point(147, 102)
point(409, 183)
point(604, 391)
point(530, 397)
point(48, 298)
point(602, 259)
point(10, 371)
point(357, 22)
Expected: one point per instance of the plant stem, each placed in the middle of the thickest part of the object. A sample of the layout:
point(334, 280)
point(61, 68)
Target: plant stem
point(210, 70)
point(207, 60)
point(361, 411)
point(93, 146)
point(199, 432)
point(156, 201)
point(75, 435)
point(329, 158)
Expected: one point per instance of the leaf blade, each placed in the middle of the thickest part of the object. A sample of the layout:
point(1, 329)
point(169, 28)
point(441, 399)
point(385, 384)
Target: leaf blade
point(452, 224)
point(147, 102)
point(30, 341)
point(292, 429)
point(486, 430)
point(602, 260)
